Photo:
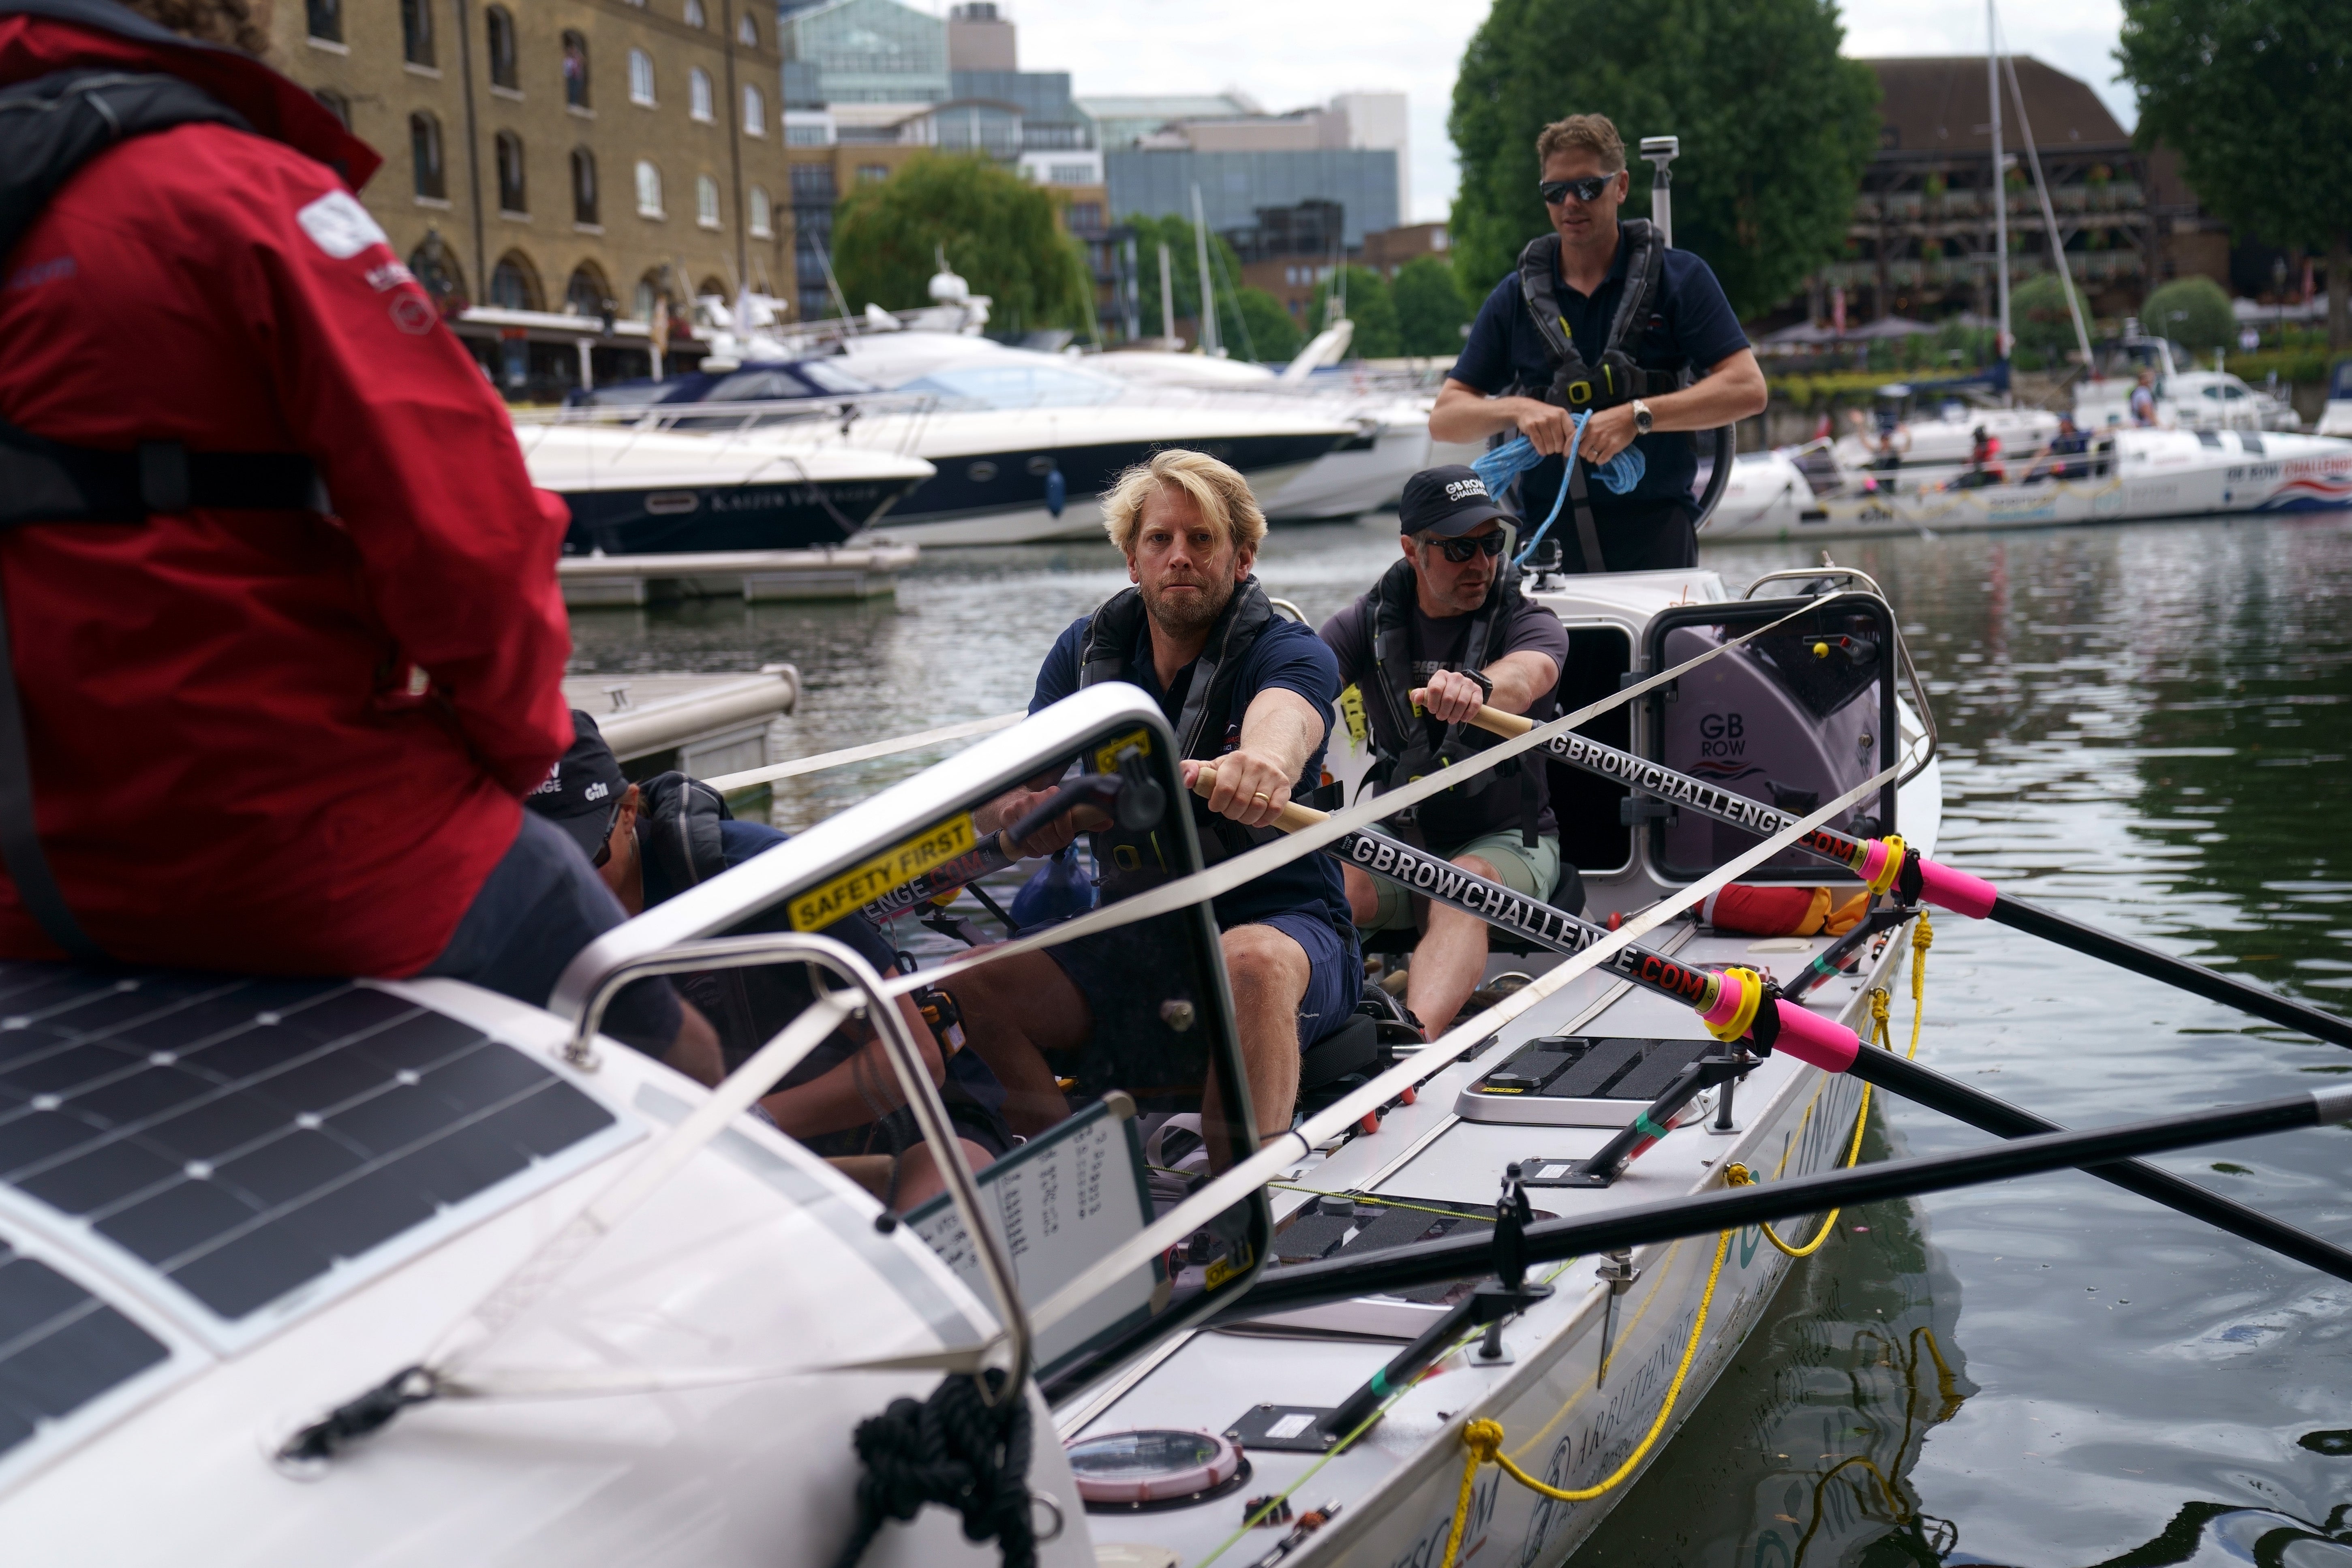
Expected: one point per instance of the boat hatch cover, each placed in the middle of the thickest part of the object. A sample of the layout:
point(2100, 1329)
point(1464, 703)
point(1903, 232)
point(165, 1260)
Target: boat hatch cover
point(258, 1146)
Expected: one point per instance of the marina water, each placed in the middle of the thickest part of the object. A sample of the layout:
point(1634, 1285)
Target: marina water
point(2150, 727)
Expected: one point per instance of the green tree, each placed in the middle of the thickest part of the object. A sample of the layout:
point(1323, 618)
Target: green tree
point(1370, 308)
point(998, 231)
point(1429, 309)
point(2038, 313)
point(1272, 335)
point(1775, 128)
point(2192, 311)
point(2256, 98)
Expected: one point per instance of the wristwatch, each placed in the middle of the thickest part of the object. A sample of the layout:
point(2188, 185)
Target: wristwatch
point(1640, 417)
point(1485, 687)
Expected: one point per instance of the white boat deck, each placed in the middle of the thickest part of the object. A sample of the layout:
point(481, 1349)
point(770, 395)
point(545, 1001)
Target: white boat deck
point(758, 576)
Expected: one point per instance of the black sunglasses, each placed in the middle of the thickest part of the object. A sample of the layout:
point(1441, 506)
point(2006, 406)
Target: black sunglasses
point(1460, 550)
point(1587, 189)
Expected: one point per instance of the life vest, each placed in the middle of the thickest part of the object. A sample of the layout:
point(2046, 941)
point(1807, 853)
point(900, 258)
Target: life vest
point(59, 121)
point(1576, 385)
point(1580, 387)
point(1208, 727)
point(1429, 745)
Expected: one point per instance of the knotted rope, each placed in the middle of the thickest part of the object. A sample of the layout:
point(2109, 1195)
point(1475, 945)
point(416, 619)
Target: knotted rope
point(954, 1449)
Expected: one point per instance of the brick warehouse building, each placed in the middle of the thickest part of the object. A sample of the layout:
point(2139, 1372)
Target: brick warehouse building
point(553, 166)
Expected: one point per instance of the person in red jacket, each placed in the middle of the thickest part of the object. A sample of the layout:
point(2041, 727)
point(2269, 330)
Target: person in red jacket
point(275, 712)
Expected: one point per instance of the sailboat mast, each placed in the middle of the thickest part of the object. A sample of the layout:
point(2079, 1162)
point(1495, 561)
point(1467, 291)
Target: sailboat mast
point(1209, 342)
point(2000, 193)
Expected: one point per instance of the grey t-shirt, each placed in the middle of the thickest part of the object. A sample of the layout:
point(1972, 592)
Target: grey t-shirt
point(1450, 818)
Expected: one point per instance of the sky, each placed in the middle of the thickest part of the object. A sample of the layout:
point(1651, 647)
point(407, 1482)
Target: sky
point(1288, 54)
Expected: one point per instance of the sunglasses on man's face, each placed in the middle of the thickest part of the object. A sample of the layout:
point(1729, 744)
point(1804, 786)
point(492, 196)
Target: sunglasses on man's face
point(1587, 189)
point(1459, 551)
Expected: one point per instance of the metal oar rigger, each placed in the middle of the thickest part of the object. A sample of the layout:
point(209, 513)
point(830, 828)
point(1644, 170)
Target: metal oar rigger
point(1886, 863)
point(1740, 1008)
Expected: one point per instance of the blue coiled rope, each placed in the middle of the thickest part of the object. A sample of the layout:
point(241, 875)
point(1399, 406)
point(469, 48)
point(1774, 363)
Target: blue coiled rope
point(1516, 456)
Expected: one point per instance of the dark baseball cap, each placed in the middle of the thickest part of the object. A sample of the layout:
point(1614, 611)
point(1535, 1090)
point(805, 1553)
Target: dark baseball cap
point(1448, 502)
point(583, 790)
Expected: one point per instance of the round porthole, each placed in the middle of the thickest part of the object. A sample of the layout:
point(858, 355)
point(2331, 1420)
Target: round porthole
point(1125, 1472)
point(980, 473)
point(1041, 465)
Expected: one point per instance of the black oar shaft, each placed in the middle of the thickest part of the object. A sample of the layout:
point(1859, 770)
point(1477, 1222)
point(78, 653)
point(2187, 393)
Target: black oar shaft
point(1897, 1075)
point(1431, 1263)
point(2194, 978)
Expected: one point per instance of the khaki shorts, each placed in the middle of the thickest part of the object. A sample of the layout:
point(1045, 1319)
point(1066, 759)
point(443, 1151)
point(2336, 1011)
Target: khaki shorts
point(1527, 871)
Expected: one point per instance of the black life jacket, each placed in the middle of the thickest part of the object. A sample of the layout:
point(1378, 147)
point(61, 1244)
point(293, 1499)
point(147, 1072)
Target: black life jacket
point(1580, 387)
point(1208, 726)
point(50, 127)
point(1575, 385)
point(1428, 745)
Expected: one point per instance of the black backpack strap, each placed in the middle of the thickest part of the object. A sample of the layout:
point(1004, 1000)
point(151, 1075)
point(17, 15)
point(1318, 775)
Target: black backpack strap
point(48, 481)
point(1580, 500)
point(20, 838)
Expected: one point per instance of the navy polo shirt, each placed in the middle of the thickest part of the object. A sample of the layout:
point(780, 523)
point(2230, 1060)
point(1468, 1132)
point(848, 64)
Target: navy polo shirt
point(1285, 654)
point(1691, 326)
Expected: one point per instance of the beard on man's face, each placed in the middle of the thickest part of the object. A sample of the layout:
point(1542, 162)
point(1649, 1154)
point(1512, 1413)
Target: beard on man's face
point(1185, 613)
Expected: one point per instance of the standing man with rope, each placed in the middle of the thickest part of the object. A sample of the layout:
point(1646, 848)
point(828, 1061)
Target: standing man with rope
point(1603, 321)
point(1442, 634)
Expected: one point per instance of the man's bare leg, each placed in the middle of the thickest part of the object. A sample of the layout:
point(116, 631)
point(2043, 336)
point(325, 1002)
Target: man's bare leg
point(1449, 960)
point(1015, 1011)
point(1268, 973)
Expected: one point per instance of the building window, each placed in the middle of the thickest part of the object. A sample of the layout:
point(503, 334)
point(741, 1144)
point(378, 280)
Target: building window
point(699, 102)
point(337, 105)
point(512, 196)
point(755, 111)
point(1070, 173)
point(324, 19)
point(648, 189)
point(514, 283)
point(763, 214)
point(417, 32)
point(1085, 217)
point(652, 294)
point(575, 71)
point(706, 201)
point(805, 136)
point(641, 77)
point(424, 156)
point(505, 68)
point(747, 32)
point(812, 185)
point(873, 173)
point(694, 17)
point(587, 294)
point(583, 185)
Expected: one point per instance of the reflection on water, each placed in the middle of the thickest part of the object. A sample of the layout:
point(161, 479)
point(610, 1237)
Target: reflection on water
point(2146, 727)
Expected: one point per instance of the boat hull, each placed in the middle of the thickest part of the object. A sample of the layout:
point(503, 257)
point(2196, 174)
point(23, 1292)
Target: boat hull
point(693, 519)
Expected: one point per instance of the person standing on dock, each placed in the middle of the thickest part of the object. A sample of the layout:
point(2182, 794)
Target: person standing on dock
point(1445, 631)
point(1243, 687)
point(1602, 318)
point(283, 644)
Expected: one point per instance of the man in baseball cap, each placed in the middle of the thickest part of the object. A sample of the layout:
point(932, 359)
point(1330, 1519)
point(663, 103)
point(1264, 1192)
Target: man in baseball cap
point(1444, 631)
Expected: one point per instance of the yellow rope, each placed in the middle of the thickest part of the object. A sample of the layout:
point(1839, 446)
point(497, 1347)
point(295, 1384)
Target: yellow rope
point(1923, 936)
point(1485, 1438)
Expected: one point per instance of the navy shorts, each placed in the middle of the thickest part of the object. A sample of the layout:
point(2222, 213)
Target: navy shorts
point(1106, 967)
point(541, 903)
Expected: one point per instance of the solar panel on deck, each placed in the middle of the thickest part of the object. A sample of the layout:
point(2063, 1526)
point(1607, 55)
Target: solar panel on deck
point(245, 1135)
point(60, 1347)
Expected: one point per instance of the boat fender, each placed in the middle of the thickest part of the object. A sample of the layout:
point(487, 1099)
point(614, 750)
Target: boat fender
point(955, 1449)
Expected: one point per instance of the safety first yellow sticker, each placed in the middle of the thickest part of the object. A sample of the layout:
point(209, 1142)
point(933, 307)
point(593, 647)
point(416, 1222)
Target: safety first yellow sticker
point(860, 886)
point(1107, 757)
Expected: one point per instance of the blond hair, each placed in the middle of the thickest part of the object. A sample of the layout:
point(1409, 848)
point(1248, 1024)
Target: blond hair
point(229, 23)
point(1594, 133)
point(1222, 496)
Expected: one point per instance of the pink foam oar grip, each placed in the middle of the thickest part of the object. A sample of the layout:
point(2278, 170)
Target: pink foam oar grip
point(1810, 1037)
point(1956, 890)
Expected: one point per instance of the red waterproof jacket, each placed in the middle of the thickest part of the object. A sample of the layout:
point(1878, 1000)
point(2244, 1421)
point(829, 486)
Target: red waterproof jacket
point(271, 741)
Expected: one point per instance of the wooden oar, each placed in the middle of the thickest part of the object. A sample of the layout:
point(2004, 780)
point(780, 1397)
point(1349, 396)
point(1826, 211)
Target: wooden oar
point(1876, 862)
point(1722, 996)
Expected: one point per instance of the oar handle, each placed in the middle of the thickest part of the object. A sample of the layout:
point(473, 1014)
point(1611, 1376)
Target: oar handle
point(1294, 816)
point(1493, 720)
